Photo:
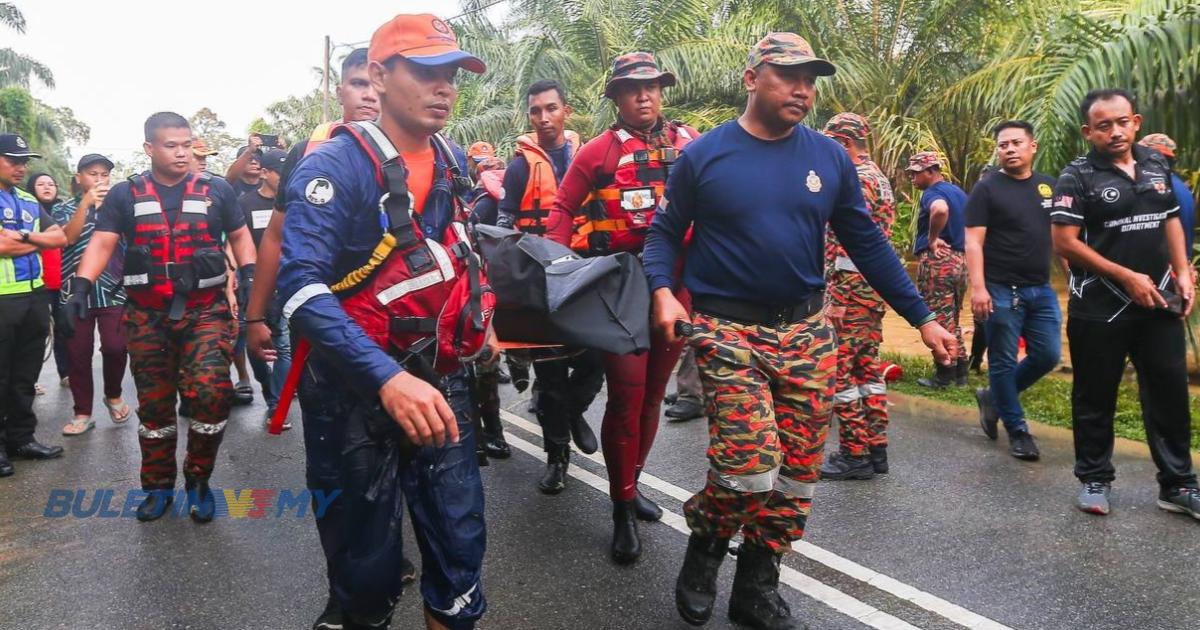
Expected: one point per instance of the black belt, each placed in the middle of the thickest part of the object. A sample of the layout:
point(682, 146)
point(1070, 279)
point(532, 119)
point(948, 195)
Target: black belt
point(756, 314)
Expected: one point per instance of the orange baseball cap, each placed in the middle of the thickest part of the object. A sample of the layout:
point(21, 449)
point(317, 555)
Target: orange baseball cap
point(481, 150)
point(423, 38)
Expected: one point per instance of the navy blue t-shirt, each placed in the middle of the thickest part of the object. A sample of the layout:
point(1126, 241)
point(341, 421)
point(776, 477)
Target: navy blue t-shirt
point(759, 210)
point(955, 232)
point(516, 177)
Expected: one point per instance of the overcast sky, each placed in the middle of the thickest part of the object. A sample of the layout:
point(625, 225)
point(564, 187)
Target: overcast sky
point(116, 63)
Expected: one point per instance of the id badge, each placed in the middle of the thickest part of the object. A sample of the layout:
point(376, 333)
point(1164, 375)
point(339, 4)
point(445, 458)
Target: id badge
point(259, 219)
point(637, 198)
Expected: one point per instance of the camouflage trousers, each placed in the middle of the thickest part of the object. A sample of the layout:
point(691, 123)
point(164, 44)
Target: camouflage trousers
point(190, 356)
point(767, 391)
point(860, 397)
point(942, 283)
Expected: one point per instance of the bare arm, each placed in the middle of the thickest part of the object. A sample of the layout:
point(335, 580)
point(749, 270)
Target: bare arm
point(266, 270)
point(242, 245)
point(74, 228)
point(239, 165)
point(939, 214)
point(95, 257)
point(11, 245)
point(981, 298)
point(52, 237)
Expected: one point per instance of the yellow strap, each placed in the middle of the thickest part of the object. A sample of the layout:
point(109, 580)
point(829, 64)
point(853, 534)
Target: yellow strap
point(382, 250)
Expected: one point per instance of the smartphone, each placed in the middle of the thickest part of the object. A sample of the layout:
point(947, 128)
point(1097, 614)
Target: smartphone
point(1174, 302)
point(269, 140)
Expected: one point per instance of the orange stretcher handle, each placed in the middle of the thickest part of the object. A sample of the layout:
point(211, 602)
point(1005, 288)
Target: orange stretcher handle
point(299, 358)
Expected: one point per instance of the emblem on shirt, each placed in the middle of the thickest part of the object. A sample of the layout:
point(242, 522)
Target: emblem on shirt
point(8, 214)
point(319, 191)
point(637, 198)
point(1110, 194)
point(813, 182)
point(1045, 191)
point(1160, 185)
point(26, 217)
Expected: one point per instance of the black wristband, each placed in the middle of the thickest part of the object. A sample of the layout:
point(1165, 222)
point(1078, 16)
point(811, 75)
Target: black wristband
point(257, 320)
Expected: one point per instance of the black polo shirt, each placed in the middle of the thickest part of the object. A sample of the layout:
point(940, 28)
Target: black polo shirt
point(1123, 220)
point(1016, 213)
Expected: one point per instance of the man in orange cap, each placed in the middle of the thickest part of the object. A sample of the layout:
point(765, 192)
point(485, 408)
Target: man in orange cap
point(200, 154)
point(387, 418)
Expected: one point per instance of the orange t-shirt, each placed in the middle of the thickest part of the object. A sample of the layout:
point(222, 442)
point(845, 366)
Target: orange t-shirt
point(420, 176)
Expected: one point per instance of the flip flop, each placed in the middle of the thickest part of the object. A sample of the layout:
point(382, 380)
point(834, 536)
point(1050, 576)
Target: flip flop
point(79, 426)
point(118, 412)
point(38, 390)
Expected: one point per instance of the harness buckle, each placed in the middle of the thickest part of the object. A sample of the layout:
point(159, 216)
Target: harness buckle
point(460, 250)
point(641, 156)
point(667, 154)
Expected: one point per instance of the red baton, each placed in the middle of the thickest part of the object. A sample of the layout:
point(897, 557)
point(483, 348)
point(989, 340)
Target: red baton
point(299, 358)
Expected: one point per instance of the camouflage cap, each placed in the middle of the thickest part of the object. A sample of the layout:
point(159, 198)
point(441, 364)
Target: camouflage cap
point(923, 160)
point(637, 66)
point(489, 163)
point(848, 125)
point(787, 49)
point(200, 148)
point(1160, 142)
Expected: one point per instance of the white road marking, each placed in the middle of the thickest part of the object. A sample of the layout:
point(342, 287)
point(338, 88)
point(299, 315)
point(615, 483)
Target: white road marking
point(799, 581)
point(839, 601)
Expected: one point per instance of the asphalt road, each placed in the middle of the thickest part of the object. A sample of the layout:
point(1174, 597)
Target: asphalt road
point(958, 535)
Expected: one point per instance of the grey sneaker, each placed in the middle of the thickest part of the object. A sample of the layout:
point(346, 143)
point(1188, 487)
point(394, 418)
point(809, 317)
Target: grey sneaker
point(1022, 446)
point(987, 412)
point(1093, 499)
point(1181, 500)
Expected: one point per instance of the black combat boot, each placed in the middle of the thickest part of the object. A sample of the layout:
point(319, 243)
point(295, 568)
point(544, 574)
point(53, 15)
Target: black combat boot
point(582, 435)
point(646, 510)
point(155, 505)
point(960, 372)
point(557, 459)
point(942, 378)
point(754, 601)
point(202, 506)
point(626, 545)
point(696, 587)
point(493, 436)
point(842, 465)
point(879, 459)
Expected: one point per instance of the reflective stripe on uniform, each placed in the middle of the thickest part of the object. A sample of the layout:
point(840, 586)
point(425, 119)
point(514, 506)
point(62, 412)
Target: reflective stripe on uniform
point(143, 208)
point(460, 602)
point(206, 428)
point(137, 279)
point(843, 263)
point(385, 145)
point(194, 206)
point(305, 294)
point(444, 273)
point(878, 388)
point(847, 395)
point(207, 283)
point(753, 482)
point(623, 136)
point(795, 489)
point(156, 434)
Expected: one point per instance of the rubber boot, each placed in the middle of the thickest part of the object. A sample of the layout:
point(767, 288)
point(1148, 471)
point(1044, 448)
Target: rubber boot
point(493, 436)
point(646, 510)
point(557, 459)
point(942, 378)
point(960, 372)
point(202, 506)
point(754, 601)
point(154, 506)
point(582, 435)
point(879, 459)
point(626, 545)
point(696, 587)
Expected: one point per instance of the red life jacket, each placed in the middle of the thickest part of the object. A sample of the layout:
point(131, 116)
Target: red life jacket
point(417, 293)
point(619, 214)
point(159, 260)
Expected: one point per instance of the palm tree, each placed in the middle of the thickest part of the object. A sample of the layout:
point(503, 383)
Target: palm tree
point(15, 68)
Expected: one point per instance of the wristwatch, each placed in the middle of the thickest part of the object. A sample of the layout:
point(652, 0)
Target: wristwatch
point(24, 236)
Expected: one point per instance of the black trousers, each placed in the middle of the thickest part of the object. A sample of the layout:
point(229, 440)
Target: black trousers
point(24, 324)
point(566, 388)
point(1158, 351)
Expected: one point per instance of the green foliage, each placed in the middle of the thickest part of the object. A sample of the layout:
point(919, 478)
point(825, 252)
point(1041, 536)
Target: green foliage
point(206, 124)
point(1048, 401)
point(15, 68)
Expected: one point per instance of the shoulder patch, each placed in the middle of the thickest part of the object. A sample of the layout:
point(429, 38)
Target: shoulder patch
point(319, 191)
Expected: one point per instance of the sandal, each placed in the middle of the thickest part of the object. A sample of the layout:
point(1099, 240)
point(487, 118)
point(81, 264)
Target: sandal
point(79, 425)
point(38, 390)
point(119, 412)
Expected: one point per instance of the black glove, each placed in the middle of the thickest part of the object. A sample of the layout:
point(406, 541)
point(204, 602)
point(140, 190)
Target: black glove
point(76, 308)
point(245, 284)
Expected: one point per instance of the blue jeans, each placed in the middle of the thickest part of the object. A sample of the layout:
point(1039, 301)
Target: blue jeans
point(271, 377)
point(1031, 312)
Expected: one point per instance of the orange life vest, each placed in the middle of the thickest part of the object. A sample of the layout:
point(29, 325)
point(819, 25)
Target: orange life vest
point(158, 263)
point(542, 185)
point(618, 216)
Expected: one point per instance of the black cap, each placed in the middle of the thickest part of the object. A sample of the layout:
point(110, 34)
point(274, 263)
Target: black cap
point(93, 158)
point(14, 146)
point(273, 160)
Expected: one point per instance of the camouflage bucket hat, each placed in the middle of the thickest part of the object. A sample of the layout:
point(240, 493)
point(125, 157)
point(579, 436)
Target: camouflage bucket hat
point(923, 160)
point(637, 66)
point(848, 125)
point(1160, 142)
point(787, 49)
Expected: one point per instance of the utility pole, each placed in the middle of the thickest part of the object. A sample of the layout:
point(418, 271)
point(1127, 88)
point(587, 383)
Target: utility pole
point(325, 85)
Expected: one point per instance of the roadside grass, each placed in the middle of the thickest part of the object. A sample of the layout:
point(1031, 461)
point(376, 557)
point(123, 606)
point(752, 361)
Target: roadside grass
point(1048, 401)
